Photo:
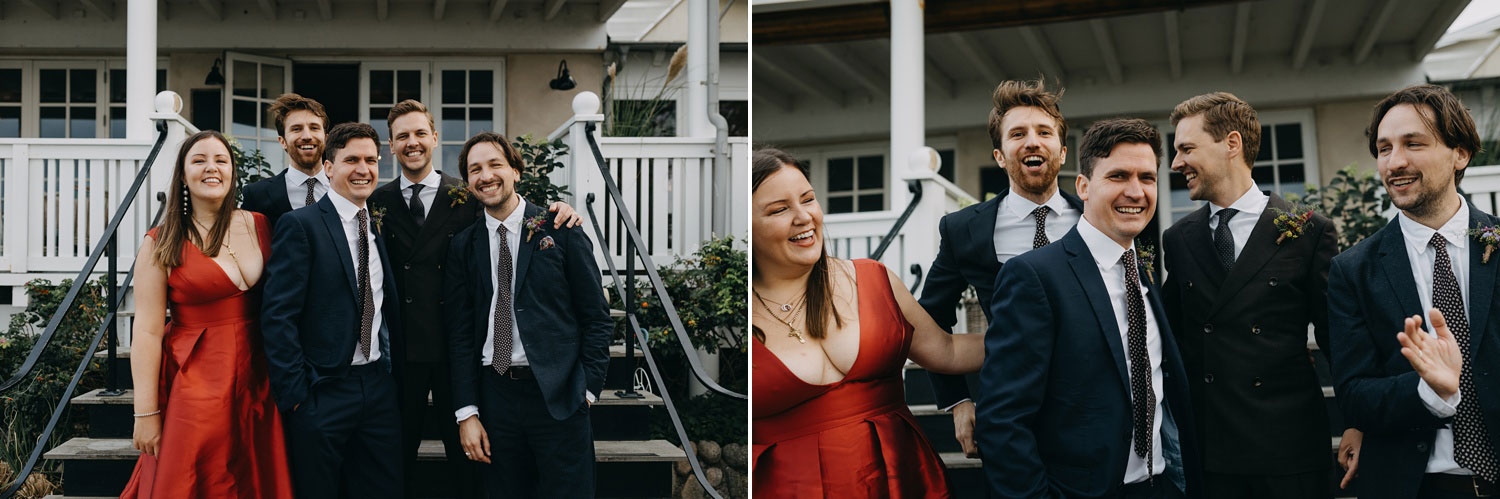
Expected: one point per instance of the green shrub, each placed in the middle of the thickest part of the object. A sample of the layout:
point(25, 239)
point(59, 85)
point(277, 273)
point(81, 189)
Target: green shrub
point(1356, 202)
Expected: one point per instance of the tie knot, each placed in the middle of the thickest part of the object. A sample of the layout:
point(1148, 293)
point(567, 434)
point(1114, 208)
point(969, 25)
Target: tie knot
point(1226, 214)
point(310, 181)
point(1041, 212)
point(1438, 241)
point(361, 215)
point(502, 230)
point(1128, 259)
point(416, 188)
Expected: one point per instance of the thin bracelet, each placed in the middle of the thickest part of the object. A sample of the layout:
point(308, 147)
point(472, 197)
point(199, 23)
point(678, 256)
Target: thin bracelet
point(152, 413)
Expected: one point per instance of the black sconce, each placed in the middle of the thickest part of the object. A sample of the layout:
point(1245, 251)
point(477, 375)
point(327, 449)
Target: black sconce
point(564, 80)
point(215, 75)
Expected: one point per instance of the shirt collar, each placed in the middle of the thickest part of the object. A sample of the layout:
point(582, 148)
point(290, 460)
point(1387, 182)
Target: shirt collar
point(297, 177)
point(1455, 230)
point(1020, 207)
point(430, 181)
point(1106, 251)
point(512, 222)
point(345, 208)
point(1252, 202)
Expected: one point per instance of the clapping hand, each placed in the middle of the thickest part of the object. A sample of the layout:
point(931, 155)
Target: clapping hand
point(1437, 360)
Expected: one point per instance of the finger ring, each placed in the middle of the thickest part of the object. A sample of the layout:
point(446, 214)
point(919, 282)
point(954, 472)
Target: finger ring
point(468, 454)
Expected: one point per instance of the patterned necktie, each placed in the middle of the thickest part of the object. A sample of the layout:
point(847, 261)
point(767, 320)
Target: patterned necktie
point(1223, 239)
point(1040, 214)
point(418, 211)
point(1471, 440)
point(310, 183)
point(1142, 397)
point(366, 295)
point(500, 358)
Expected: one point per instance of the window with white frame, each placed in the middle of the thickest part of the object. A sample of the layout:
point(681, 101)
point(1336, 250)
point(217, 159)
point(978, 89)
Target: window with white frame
point(12, 85)
point(468, 102)
point(115, 80)
point(254, 84)
point(65, 98)
point(68, 102)
point(385, 85)
point(1286, 163)
point(856, 183)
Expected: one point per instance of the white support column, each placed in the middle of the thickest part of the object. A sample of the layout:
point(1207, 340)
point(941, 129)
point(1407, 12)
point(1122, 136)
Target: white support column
point(140, 69)
point(696, 123)
point(908, 104)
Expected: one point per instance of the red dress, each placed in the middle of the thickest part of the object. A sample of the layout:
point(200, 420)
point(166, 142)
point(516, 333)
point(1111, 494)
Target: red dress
point(852, 438)
point(221, 434)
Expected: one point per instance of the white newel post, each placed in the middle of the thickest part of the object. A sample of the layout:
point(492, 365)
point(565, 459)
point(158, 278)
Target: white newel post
point(140, 69)
point(921, 230)
point(585, 176)
point(908, 123)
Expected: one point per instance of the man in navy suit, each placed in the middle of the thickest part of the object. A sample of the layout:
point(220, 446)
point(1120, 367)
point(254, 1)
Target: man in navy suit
point(301, 128)
point(1027, 130)
point(1420, 390)
point(1084, 391)
point(528, 335)
point(332, 332)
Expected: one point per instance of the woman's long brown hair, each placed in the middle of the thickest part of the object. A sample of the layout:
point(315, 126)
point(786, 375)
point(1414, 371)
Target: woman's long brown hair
point(177, 224)
point(819, 294)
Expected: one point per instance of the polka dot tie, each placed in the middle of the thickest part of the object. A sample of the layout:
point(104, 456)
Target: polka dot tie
point(366, 295)
point(1223, 239)
point(1040, 214)
point(1471, 440)
point(500, 355)
point(310, 183)
point(1142, 397)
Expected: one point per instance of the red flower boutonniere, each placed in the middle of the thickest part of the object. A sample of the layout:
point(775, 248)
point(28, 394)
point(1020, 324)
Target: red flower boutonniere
point(1145, 254)
point(535, 225)
point(1490, 237)
point(459, 194)
point(1291, 224)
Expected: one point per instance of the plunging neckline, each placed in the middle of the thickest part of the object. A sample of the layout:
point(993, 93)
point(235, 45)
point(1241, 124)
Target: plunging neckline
point(255, 230)
point(858, 344)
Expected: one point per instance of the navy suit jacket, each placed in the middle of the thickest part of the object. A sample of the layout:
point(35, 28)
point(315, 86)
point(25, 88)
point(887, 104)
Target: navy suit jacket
point(309, 313)
point(966, 257)
point(1370, 292)
point(268, 197)
point(559, 308)
point(1054, 418)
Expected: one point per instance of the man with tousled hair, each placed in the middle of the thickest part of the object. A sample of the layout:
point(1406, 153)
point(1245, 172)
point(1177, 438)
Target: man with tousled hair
point(301, 129)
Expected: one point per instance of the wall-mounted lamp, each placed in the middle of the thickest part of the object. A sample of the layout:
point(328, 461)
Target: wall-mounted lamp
point(564, 80)
point(215, 75)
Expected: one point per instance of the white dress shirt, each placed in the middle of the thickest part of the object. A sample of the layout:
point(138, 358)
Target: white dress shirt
point(429, 190)
point(513, 245)
point(1250, 204)
point(1107, 253)
point(296, 190)
point(1015, 228)
point(1422, 259)
point(347, 210)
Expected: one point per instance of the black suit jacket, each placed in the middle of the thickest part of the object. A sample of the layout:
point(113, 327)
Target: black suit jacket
point(1370, 293)
point(268, 197)
point(1243, 334)
point(1054, 417)
point(559, 308)
point(966, 257)
point(417, 255)
point(309, 313)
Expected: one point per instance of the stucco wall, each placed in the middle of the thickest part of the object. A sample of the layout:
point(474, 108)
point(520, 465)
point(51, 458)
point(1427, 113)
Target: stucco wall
point(535, 108)
point(186, 73)
point(1341, 136)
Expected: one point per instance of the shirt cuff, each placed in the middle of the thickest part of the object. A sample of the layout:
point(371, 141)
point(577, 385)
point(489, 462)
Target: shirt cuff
point(955, 404)
point(588, 395)
point(1436, 405)
point(465, 412)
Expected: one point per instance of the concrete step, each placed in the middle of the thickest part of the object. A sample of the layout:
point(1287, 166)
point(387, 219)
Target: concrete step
point(614, 418)
point(637, 468)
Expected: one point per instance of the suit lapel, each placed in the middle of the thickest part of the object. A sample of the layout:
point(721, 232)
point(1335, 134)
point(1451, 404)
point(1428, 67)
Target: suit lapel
point(1258, 250)
point(480, 253)
point(1201, 244)
point(403, 224)
point(438, 212)
point(278, 193)
point(523, 254)
point(1481, 283)
point(335, 228)
point(1396, 267)
point(1087, 272)
point(982, 228)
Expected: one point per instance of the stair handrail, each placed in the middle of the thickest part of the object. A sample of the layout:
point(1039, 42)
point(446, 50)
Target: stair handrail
point(915, 186)
point(613, 190)
point(641, 339)
point(117, 301)
point(88, 267)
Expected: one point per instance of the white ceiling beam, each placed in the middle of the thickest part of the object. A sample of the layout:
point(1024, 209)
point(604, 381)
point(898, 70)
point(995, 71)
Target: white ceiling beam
point(1372, 30)
point(768, 94)
point(1241, 33)
point(1107, 50)
point(1174, 43)
point(938, 79)
point(608, 8)
point(1042, 51)
point(102, 8)
point(801, 81)
point(497, 8)
point(976, 57)
point(325, 10)
point(438, 8)
point(845, 63)
point(1442, 17)
point(268, 7)
point(53, 8)
point(382, 9)
point(215, 8)
point(1310, 21)
point(551, 8)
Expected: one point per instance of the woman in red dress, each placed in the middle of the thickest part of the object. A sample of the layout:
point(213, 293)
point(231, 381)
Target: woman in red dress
point(829, 415)
point(204, 420)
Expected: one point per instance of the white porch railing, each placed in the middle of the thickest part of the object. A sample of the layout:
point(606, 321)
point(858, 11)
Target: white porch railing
point(1482, 184)
point(669, 184)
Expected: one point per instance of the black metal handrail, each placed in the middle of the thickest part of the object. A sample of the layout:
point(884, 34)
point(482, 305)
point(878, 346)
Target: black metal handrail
point(916, 269)
point(915, 186)
point(635, 239)
point(88, 268)
point(117, 300)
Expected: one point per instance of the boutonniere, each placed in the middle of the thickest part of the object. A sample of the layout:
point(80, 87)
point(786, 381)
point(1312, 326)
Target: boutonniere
point(376, 215)
point(1145, 254)
point(459, 194)
point(1490, 236)
point(535, 225)
point(1291, 224)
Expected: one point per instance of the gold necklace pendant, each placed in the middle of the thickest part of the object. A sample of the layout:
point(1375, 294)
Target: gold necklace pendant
point(797, 335)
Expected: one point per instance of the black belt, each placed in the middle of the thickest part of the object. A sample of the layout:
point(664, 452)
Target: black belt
point(1459, 484)
point(1143, 486)
point(517, 372)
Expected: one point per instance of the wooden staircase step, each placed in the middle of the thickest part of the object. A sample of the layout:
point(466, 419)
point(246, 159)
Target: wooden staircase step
point(608, 398)
point(123, 351)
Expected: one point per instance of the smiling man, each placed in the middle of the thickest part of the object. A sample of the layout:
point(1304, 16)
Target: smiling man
point(1083, 389)
point(301, 128)
point(1411, 313)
